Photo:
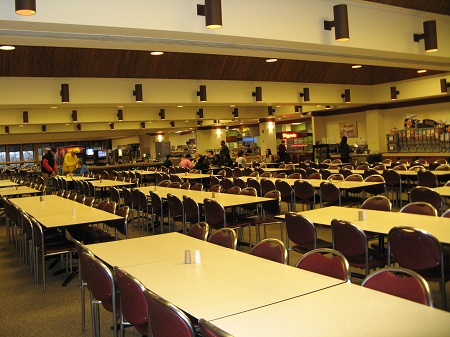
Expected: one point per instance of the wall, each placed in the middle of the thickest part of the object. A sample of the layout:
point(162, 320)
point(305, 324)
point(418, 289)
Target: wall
point(124, 141)
point(332, 127)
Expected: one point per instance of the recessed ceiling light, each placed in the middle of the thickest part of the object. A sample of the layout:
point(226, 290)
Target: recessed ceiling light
point(271, 60)
point(277, 106)
point(356, 66)
point(120, 106)
point(53, 107)
point(156, 53)
point(232, 105)
point(67, 124)
point(186, 121)
point(421, 71)
point(179, 106)
point(149, 122)
point(318, 105)
point(21, 126)
point(7, 47)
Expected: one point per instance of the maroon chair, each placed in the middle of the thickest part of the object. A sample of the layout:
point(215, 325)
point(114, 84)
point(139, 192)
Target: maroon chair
point(239, 182)
point(427, 179)
point(377, 203)
point(185, 186)
point(102, 285)
point(216, 188)
point(375, 189)
point(400, 282)
point(351, 241)
point(421, 252)
point(305, 194)
point(166, 319)
point(325, 174)
point(197, 187)
point(287, 193)
point(255, 184)
point(174, 184)
point(158, 211)
point(330, 195)
point(317, 261)
point(226, 184)
point(199, 231)
point(295, 175)
point(426, 194)
point(270, 249)
point(225, 237)
point(419, 207)
point(233, 190)
point(191, 211)
point(446, 214)
point(164, 183)
point(267, 186)
point(133, 304)
point(315, 175)
point(175, 211)
point(302, 232)
point(393, 181)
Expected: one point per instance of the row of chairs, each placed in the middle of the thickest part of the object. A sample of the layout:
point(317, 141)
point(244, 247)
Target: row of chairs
point(125, 297)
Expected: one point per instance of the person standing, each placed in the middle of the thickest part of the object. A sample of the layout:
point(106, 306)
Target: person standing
point(282, 151)
point(48, 165)
point(71, 161)
point(344, 150)
point(224, 154)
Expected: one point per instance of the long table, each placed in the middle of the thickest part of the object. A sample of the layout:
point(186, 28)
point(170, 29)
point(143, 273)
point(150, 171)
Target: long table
point(316, 182)
point(56, 211)
point(344, 310)
point(7, 183)
point(381, 222)
point(444, 191)
point(226, 282)
point(18, 191)
point(226, 200)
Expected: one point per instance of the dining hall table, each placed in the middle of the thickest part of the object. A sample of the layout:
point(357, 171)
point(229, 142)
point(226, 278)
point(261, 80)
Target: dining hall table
point(7, 183)
point(225, 282)
point(343, 310)
point(18, 191)
point(379, 221)
point(316, 182)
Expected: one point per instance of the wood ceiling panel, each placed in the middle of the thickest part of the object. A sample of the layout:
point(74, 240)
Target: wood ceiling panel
point(28, 61)
point(432, 6)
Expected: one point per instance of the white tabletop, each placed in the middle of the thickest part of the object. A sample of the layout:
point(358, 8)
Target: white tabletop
point(71, 178)
point(106, 183)
point(18, 190)
point(226, 200)
point(381, 222)
point(343, 310)
point(224, 283)
point(316, 182)
point(403, 173)
point(193, 176)
point(443, 190)
point(7, 183)
point(56, 211)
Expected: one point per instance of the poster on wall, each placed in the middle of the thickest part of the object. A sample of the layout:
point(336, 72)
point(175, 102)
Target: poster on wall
point(348, 129)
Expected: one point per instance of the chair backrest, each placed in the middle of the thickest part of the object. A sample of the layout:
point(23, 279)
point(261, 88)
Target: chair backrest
point(272, 207)
point(210, 330)
point(400, 167)
point(299, 229)
point(426, 194)
point(392, 178)
point(336, 176)
point(133, 303)
point(369, 171)
point(239, 182)
point(156, 202)
point(110, 207)
point(197, 187)
point(362, 167)
point(427, 178)
point(378, 188)
point(317, 261)
point(225, 237)
point(175, 204)
point(214, 213)
point(237, 172)
point(329, 192)
point(114, 195)
point(175, 178)
point(233, 190)
point(377, 203)
point(295, 175)
point(285, 189)
point(200, 230)
point(419, 207)
point(101, 205)
point(186, 185)
point(122, 225)
point(215, 188)
point(174, 184)
point(226, 183)
point(354, 177)
point(443, 167)
point(191, 209)
point(164, 183)
point(166, 319)
point(101, 282)
point(281, 175)
point(255, 184)
point(400, 282)
point(270, 249)
point(348, 239)
point(446, 214)
point(315, 175)
point(267, 185)
point(80, 198)
point(325, 174)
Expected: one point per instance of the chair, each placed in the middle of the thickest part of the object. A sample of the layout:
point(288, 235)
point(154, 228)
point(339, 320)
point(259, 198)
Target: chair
point(237, 172)
point(400, 167)
point(304, 194)
point(133, 304)
point(419, 207)
point(176, 211)
point(255, 184)
point(427, 179)
point(393, 181)
point(426, 194)
point(158, 211)
point(287, 193)
point(121, 226)
point(216, 188)
point(362, 167)
point(325, 174)
point(267, 186)
point(43, 249)
point(164, 183)
point(175, 178)
point(80, 198)
point(386, 162)
point(378, 203)
point(247, 171)
point(225, 237)
point(302, 172)
point(165, 319)
point(114, 195)
point(318, 262)
point(370, 171)
point(226, 183)
point(329, 194)
point(270, 249)
point(266, 175)
point(400, 282)
point(336, 176)
point(174, 184)
point(197, 187)
point(446, 214)
point(302, 232)
point(83, 277)
point(199, 231)
point(351, 241)
point(315, 175)
point(421, 252)
point(210, 330)
point(336, 161)
point(186, 185)
point(375, 189)
point(191, 211)
point(281, 176)
point(233, 190)
point(295, 175)
point(102, 286)
point(239, 182)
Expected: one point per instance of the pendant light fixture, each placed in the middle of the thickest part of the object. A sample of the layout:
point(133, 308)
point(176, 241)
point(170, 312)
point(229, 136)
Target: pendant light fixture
point(26, 7)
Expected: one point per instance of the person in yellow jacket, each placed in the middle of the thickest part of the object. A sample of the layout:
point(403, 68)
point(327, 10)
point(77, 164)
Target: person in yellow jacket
point(71, 161)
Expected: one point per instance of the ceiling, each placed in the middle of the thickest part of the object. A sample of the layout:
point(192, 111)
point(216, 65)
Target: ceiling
point(64, 62)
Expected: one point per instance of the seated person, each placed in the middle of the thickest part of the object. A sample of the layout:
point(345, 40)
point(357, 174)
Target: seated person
point(186, 161)
point(80, 171)
point(215, 160)
point(240, 160)
point(202, 164)
point(167, 162)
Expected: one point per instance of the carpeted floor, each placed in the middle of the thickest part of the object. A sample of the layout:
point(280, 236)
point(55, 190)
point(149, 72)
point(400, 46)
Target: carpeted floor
point(26, 311)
